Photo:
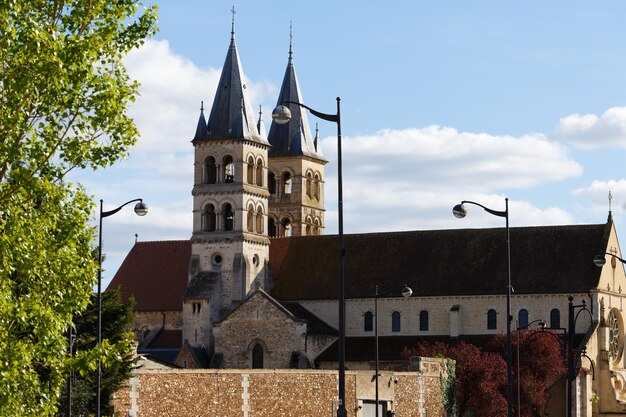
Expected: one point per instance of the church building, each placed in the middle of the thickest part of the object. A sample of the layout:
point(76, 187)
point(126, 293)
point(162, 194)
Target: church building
point(255, 286)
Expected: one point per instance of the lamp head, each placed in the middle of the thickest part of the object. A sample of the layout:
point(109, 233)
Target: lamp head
point(599, 260)
point(542, 324)
point(141, 209)
point(459, 211)
point(407, 291)
point(281, 114)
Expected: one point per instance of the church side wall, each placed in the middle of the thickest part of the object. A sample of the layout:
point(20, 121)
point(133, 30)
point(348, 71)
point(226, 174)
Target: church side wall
point(271, 393)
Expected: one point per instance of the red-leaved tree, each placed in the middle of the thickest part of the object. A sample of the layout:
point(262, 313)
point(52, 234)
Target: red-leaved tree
point(480, 376)
point(541, 365)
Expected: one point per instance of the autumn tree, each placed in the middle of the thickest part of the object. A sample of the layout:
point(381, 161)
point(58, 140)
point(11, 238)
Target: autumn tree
point(64, 95)
point(480, 376)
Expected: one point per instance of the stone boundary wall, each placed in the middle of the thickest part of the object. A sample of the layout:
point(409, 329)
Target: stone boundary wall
point(274, 393)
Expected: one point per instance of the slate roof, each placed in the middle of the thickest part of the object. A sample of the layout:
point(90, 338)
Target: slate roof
point(294, 137)
point(545, 259)
point(231, 115)
point(314, 323)
point(156, 274)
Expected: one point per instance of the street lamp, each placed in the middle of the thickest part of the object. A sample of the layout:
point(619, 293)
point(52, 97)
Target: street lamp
point(460, 212)
point(282, 115)
point(141, 209)
point(600, 260)
point(572, 317)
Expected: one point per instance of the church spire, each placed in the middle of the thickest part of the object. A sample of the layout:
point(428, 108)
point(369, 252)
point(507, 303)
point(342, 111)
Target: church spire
point(201, 132)
point(231, 115)
point(293, 138)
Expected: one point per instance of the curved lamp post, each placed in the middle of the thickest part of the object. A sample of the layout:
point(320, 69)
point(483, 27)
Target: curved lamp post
point(460, 212)
point(141, 209)
point(282, 115)
point(600, 260)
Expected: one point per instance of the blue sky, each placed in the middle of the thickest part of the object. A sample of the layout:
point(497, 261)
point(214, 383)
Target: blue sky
point(441, 101)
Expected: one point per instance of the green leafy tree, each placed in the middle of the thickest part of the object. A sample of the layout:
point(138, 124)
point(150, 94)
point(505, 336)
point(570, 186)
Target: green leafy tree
point(117, 321)
point(64, 94)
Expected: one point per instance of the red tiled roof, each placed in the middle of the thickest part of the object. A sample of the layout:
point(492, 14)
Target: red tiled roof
point(156, 274)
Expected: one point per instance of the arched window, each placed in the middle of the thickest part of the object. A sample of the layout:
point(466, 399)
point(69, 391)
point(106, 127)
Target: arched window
point(259, 220)
point(259, 172)
point(423, 320)
point(368, 321)
point(555, 318)
point(208, 218)
point(228, 215)
point(229, 169)
point(316, 229)
point(317, 186)
point(309, 185)
point(257, 357)
point(286, 223)
point(522, 318)
point(271, 226)
point(210, 172)
point(395, 321)
point(250, 171)
point(492, 319)
point(271, 183)
point(250, 218)
point(287, 182)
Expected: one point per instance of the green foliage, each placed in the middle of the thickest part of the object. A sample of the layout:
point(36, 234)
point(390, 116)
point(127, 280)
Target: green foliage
point(117, 320)
point(64, 95)
point(447, 382)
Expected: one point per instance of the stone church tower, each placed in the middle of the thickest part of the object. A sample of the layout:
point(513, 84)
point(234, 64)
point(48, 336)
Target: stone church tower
point(230, 243)
point(296, 178)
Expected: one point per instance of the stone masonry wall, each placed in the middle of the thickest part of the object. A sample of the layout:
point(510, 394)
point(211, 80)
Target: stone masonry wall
point(272, 393)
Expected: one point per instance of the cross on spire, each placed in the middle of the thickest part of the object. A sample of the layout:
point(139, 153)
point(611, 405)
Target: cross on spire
point(610, 198)
point(232, 30)
point(290, 38)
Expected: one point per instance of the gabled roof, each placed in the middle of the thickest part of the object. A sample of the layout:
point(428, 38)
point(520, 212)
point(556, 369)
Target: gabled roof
point(545, 259)
point(156, 274)
point(231, 115)
point(292, 138)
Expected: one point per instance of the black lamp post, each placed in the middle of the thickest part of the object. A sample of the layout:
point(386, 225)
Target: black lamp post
point(460, 211)
point(282, 115)
point(141, 209)
point(542, 325)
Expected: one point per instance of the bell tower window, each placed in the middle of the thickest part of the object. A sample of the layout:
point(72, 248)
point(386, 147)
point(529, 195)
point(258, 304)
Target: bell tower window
point(208, 218)
point(271, 183)
point(229, 169)
point(250, 218)
point(259, 220)
point(227, 213)
point(286, 223)
point(271, 226)
point(259, 172)
point(287, 182)
point(250, 171)
point(210, 172)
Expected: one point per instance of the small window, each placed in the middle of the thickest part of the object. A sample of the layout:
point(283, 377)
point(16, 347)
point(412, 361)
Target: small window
point(287, 182)
point(259, 220)
point(423, 320)
point(309, 185)
point(210, 170)
point(492, 319)
point(227, 213)
point(250, 171)
point(368, 322)
point(208, 218)
point(522, 318)
point(257, 356)
point(271, 225)
point(395, 321)
point(250, 218)
point(196, 308)
point(259, 172)
point(555, 318)
point(271, 183)
point(286, 223)
point(316, 186)
point(229, 169)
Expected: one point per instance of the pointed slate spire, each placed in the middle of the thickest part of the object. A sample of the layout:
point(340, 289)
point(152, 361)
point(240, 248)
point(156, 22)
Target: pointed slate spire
point(293, 138)
point(231, 115)
point(201, 130)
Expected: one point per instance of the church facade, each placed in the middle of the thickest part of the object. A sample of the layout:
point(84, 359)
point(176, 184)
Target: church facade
point(256, 284)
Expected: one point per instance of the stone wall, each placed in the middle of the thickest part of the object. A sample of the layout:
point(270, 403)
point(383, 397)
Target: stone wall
point(274, 393)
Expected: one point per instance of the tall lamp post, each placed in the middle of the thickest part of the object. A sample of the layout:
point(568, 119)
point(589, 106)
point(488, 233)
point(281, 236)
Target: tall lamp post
point(460, 212)
point(141, 209)
point(282, 115)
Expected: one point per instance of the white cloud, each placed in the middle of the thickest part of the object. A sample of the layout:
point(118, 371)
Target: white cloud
point(596, 196)
point(592, 132)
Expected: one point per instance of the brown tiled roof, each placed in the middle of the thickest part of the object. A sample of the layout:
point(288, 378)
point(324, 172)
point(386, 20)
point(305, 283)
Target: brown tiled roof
point(156, 274)
point(546, 259)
